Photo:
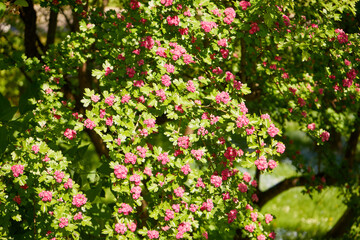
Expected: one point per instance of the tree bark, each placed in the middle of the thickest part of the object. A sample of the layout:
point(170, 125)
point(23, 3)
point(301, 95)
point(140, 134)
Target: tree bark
point(28, 15)
point(50, 39)
point(343, 225)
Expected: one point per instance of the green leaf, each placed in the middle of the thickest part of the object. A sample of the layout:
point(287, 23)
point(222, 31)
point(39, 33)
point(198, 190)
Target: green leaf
point(2, 9)
point(6, 111)
point(21, 3)
point(268, 19)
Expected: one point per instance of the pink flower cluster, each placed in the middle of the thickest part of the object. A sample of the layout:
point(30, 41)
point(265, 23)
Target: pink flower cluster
point(70, 134)
point(150, 123)
point(89, 124)
point(79, 200)
point(164, 158)
point(272, 130)
point(166, 80)
point(230, 15)
point(63, 222)
point(208, 205)
point(179, 192)
point(342, 36)
point(232, 215)
point(183, 228)
point(222, 97)
point(17, 170)
point(46, 196)
point(242, 121)
point(169, 214)
point(244, 5)
point(59, 176)
point(153, 234)
point(130, 158)
point(173, 20)
point(136, 191)
point(325, 136)
point(120, 171)
point(110, 100)
point(136, 179)
point(183, 142)
point(254, 28)
point(216, 180)
point(197, 153)
point(208, 26)
point(125, 209)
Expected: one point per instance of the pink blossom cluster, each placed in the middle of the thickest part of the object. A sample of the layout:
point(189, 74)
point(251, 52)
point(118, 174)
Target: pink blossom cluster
point(254, 28)
point(110, 100)
point(59, 176)
point(136, 191)
point(242, 187)
point(183, 228)
point(179, 192)
point(163, 158)
point(79, 200)
point(208, 26)
point(78, 216)
point(183, 142)
point(230, 15)
point(148, 42)
point(250, 228)
point(70, 134)
point(141, 151)
point(244, 5)
point(169, 214)
point(120, 228)
point(68, 184)
point(325, 136)
point(17, 170)
point(136, 179)
point(120, 171)
point(125, 209)
point(46, 196)
point(89, 124)
point(280, 147)
point(35, 148)
point(342, 37)
point(186, 169)
point(222, 97)
point(150, 123)
point(190, 86)
point(242, 121)
point(153, 234)
point(200, 183)
point(232, 215)
point(161, 93)
point(272, 130)
point(208, 205)
point(197, 153)
point(173, 20)
point(130, 158)
point(63, 222)
point(166, 80)
point(216, 180)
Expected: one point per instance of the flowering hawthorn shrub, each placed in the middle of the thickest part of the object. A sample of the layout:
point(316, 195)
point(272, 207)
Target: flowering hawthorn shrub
point(167, 98)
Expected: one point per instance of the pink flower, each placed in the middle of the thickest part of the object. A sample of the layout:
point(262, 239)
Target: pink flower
point(35, 148)
point(17, 199)
point(208, 205)
point(183, 142)
point(173, 20)
point(136, 192)
point(141, 151)
point(161, 52)
point(254, 28)
point(132, 226)
point(79, 200)
point(272, 235)
point(120, 171)
point(232, 215)
point(169, 215)
point(63, 222)
point(186, 169)
point(46, 196)
point(176, 207)
point(193, 207)
point(130, 158)
point(242, 187)
point(164, 158)
point(110, 100)
point(120, 228)
point(268, 218)
point(222, 97)
point(216, 180)
point(125, 98)
point(125, 209)
point(153, 234)
point(242, 121)
point(108, 71)
point(78, 216)
point(169, 68)
point(208, 26)
point(161, 93)
point(197, 153)
point(325, 136)
point(68, 184)
point(190, 86)
point(254, 216)
point(59, 176)
point(188, 59)
point(95, 98)
point(17, 170)
point(179, 192)
point(165, 79)
point(272, 130)
point(109, 121)
point(167, 2)
point(148, 43)
point(222, 42)
point(244, 5)
point(70, 134)
point(250, 228)
point(246, 177)
point(89, 124)
point(150, 123)
point(280, 147)
point(200, 183)
point(261, 237)
point(147, 171)
point(272, 164)
point(261, 163)
point(136, 179)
